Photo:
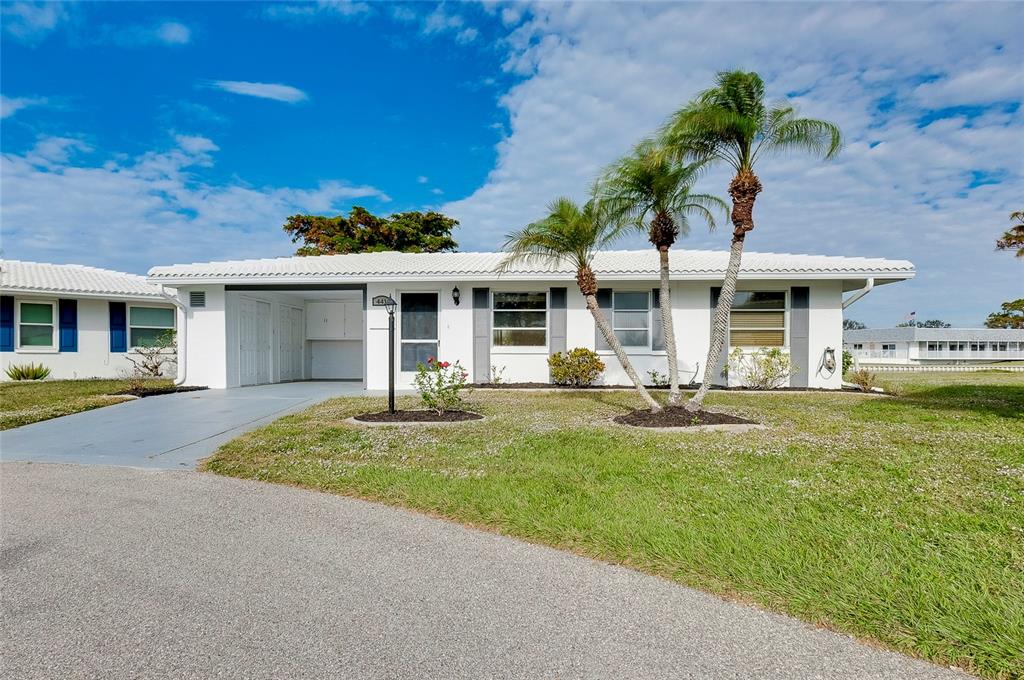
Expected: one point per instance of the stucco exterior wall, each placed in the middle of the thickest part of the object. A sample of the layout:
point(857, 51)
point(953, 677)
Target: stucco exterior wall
point(93, 358)
point(213, 332)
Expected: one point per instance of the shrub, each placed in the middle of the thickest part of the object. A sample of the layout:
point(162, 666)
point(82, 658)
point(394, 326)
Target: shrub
point(577, 368)
point(658, 379)
point(765, 369)
point(440, 383)
point(847, 361)
point(149, 361)
point(27, 372)
point(497, 375)
point(864, 379)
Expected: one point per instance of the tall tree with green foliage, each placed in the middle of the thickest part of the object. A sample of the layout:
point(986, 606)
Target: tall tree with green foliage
point(1011, 315)
point(652, 191)
point(363, 232)
point(1013, 238)
point(573, 234)
point(731, 123)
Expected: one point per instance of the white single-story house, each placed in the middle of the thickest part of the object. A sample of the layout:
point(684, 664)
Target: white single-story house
point(251, 322)
point(933, 346)
point(79, 321)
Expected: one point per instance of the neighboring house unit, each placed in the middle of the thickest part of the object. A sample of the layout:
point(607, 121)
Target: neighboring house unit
point(262, 321)
point(81, 322)
point(924, 346)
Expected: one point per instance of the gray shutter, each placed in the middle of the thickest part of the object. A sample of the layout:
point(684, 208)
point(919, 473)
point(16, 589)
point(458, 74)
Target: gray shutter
point(657, 331)
point(799, 335)
point(558, 320)
point(604, 301)
point(723, 358)
point(481, 334)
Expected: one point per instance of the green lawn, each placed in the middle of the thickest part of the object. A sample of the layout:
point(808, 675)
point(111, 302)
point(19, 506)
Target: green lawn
point(899, 520)
point(22, 403)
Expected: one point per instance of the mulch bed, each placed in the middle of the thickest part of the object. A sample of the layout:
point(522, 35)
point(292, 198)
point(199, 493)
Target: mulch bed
point(684, 387)
point(418, 417)
point(156, 391)
point(677, 416)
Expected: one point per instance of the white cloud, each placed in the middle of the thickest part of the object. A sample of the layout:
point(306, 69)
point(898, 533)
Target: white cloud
point(439, 21)
point(136, 212)
point(466, 35)
point(422, 179)
point(403, 13)
point(598, 78)
point(323, 8)
point(11, 105)
point(170, 33)
point(275, 91)
point(30, 22)
point(436, 191)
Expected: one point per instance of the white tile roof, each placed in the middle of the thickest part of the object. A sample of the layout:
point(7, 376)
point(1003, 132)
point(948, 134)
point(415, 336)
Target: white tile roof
point(71, 279)
point(612, 264)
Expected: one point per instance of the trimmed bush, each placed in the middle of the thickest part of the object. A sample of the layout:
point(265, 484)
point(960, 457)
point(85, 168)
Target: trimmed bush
point(27, 372)
point(579, 367)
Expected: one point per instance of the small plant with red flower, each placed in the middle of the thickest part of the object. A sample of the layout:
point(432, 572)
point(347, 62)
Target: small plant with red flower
point(440, 384)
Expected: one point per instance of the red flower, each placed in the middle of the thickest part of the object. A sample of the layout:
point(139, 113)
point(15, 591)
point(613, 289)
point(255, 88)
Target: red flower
point(445, 364)
point(430, 360)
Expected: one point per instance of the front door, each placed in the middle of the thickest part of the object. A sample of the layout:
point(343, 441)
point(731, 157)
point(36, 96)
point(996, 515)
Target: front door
point(254, 342)
point(418, 330)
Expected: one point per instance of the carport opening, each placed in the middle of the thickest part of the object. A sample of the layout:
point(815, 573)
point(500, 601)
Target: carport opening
point(300, 332)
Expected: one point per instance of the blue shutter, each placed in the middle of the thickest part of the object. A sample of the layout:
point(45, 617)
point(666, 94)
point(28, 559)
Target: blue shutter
point(658, 331)
point(6, 323)
point(118, 327)
point(68, 315)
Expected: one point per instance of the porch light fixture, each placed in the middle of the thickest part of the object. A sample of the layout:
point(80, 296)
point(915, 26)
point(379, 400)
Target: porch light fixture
point(388, 303)
point(456, 295)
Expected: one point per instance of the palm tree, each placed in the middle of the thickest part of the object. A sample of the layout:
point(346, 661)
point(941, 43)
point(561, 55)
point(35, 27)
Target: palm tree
point(573, 234)
point(649, 186)
point(1013, 238)
point(731, 123)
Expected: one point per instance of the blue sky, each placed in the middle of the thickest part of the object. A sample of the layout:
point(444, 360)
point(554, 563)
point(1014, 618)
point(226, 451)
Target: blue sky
point(136, 134)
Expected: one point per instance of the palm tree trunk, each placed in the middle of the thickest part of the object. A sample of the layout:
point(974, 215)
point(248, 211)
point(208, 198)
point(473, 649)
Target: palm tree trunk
point(620, 353)
point(721, 324)
point(668, 330)
point(743, 189)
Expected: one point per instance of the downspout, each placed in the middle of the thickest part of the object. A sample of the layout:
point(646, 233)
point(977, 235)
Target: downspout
point(858, 294)
point(182, 368)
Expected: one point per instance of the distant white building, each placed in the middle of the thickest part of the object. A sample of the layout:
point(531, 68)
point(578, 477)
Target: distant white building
point(78, 321)
point(929, 346)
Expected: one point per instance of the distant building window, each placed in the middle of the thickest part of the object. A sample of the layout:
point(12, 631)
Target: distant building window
point(935, 346)
point(958, 347)
point(36, 327)
point(891, 347)
point(858, 345)
point(977, 347)
point(520, 319)
point(758, 319)
point(148, 324)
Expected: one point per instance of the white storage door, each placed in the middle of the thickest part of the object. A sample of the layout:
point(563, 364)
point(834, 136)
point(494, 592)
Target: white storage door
point(291, 338)
point(254, 342)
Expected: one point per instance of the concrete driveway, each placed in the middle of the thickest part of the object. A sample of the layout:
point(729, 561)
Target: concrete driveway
point(171, 431)
point(120, 572)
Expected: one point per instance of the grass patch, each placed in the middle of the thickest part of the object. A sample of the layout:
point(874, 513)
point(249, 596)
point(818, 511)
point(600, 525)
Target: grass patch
point(899, 520)
point(22, 403)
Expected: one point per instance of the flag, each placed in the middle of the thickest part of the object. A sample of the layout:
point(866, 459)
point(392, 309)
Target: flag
point(910, 317)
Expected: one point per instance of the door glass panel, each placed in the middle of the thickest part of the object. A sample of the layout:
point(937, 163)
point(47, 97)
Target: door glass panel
point(419, 316)
point(414, 353)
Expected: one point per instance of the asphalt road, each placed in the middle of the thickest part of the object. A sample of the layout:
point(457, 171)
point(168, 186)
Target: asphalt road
point(118, 572)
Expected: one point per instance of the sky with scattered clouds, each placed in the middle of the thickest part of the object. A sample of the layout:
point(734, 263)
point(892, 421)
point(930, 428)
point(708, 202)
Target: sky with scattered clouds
point(136, 134)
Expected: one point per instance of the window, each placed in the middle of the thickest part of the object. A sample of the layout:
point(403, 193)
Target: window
point(858, 345)
point(758, 319)
point(977, 347)
point(888, 347)
point(148, 324)
point(36, 325)
point(935, 346)
point(520, 319)
point(1000, 346)
point(958, 347)
point(631, 317)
